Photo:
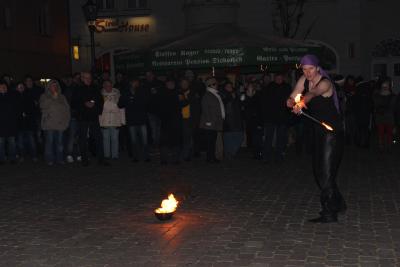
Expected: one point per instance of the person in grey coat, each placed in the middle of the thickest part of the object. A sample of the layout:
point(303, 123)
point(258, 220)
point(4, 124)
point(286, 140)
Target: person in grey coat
point(55, 120)
point(212, 117)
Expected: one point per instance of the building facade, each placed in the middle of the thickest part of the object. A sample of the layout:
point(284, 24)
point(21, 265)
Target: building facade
point(350, 31)
point(34, 38)
point(123, 25)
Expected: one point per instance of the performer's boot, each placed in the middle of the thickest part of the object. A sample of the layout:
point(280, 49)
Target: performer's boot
point(342, 205)
point(324, 219)
point(329, 211)
point(339, 204)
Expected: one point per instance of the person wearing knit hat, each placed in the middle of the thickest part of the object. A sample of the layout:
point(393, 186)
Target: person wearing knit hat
point(320, 98)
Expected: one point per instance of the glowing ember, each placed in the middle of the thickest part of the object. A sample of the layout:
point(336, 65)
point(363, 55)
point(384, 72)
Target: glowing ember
point(328, 127)
point(168, 205)
point(297, 98)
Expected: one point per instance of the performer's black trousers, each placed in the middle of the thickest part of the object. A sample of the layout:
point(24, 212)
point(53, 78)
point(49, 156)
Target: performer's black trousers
point(328, 152)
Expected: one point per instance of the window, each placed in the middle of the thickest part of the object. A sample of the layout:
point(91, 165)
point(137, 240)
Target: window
point(7, 18)
point(105, 4)
point(99, 4)
point(396, 69)
point(75, 52)
point(110, 4)
point(351, 50)
point(210, 2)
point(386, 48)
point(44, 20)
point(380, 70)
point(122, 8)
point(133, 4)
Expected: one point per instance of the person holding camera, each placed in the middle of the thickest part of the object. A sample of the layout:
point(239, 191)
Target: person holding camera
point(90, 106)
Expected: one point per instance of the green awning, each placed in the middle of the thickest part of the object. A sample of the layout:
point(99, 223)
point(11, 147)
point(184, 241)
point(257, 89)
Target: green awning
point(218, 46)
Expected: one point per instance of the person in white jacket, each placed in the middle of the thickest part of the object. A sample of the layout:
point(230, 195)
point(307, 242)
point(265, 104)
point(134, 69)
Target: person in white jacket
point(111, 119)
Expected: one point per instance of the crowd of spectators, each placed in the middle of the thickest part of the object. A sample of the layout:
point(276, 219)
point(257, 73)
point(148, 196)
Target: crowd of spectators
point(78, 117)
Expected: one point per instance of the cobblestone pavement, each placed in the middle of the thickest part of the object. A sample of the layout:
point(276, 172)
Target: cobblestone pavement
point(237, 213)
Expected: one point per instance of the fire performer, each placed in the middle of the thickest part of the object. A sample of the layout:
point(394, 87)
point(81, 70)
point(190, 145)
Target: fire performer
point(319, 97)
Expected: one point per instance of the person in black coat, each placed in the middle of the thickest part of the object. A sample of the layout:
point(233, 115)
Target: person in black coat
point(233, 125)
point(26, 123)
point(191, 110)
point(9, 110)
point(171, 123)
point(153, 88)
point(135, 102)
point(70, 88)
point(362, 107)
point(253, 120)
point(198, 89)
point(121, 83)
point(34, 92)
point(89, 105)
point(276, 117)
point(397, 117)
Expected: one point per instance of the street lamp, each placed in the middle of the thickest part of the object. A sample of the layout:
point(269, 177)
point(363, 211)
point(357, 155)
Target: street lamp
point(90, 12)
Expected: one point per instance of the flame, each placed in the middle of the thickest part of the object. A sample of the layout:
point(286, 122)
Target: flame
point(297, 99)
point(168, 205)
point(327, 126)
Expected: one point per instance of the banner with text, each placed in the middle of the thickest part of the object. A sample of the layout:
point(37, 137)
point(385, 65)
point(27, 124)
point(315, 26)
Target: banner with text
point(213, 57)
point(221, 57)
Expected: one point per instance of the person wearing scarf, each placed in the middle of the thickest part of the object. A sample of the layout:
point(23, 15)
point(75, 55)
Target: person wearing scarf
point(321, 101)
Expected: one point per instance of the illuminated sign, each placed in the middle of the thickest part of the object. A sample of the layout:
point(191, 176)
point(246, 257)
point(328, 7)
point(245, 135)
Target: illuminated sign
point(117, 25)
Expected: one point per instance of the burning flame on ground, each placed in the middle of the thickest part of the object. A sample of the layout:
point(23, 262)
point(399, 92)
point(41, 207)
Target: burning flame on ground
point(168, 205)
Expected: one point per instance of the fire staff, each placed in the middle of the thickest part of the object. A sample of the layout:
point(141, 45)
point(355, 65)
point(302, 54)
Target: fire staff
point(319, 97)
